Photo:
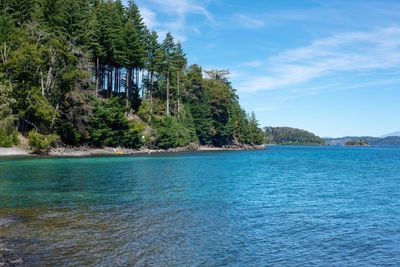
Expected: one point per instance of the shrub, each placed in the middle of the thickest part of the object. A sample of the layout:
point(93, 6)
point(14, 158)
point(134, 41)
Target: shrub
point(41, 143)
point(8, 133)
point(8, 139)
point(170, 133)
point(110, 127)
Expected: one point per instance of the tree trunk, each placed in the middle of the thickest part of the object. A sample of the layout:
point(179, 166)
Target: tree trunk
point(102, 78)
point(116, 89)
point(42, 82)
point(49, 80)
point(167, 109)
point(178, 92)
point(143, 93)
point(97, 75)
point(109, 77)
point(147, 84)
point(137, 83)
point(128, 87)
point(151, 91)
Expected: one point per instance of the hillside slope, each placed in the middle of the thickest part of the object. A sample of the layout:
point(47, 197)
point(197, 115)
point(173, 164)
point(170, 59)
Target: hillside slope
point(291, 136)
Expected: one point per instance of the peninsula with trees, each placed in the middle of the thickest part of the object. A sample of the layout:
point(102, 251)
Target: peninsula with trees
point(90, 73)
point(291, 136)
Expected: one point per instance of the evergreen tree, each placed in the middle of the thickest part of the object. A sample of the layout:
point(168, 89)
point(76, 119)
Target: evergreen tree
point(154, 56)
point(167, 65)
point(92, 44)
point(22, 10)
point(56, 54)
point(180, 61)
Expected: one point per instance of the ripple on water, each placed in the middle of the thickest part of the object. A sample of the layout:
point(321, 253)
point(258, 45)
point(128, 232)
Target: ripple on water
point(286, 207)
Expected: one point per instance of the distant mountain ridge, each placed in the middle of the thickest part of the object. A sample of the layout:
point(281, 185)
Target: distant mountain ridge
point(391, 134)
point(372, 141)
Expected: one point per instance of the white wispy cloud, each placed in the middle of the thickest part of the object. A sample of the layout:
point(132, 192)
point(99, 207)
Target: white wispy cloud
point(340, 53)
point(149, 17)
point(172, 16)
point(249, 21)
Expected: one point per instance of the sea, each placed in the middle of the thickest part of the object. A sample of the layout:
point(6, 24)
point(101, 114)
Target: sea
point(285, 206)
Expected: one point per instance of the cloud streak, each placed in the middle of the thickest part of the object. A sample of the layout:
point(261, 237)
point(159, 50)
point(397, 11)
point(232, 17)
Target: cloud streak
point(172, 16)
point(377, 50)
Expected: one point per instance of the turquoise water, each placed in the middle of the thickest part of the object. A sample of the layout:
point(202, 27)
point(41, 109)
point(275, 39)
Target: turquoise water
point(289, 206)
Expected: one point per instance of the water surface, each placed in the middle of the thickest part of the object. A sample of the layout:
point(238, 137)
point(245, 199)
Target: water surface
point(289, 206)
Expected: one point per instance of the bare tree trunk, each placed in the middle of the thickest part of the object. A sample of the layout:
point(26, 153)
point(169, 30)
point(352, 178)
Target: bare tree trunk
point(143, 92)
point(4, 54)
point(97, 75)
point(116, 89)
point(102, 78)
point(54, 116)
point(151, 91)
point(49, 79)
point(178, 92)
point(147, 84)
point(137, 78)
point(42, 82)
point(167, 109)
point(109, 86)
point(128, 87)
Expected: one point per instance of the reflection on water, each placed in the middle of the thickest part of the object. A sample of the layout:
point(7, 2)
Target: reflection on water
point(287, 206)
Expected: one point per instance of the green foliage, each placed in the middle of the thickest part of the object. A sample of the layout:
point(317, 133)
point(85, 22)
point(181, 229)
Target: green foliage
point(292, 136)
point(357, 142)
point(171, 133)
point(110, 127)
point(41, 143)
point(8, 138)
point(145, 111)
point(70, 63)
point(8, 133)
point(256, 134)
point(6, 27)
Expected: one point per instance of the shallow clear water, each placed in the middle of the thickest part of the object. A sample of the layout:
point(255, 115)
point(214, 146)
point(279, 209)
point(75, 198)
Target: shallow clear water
point(289, 206)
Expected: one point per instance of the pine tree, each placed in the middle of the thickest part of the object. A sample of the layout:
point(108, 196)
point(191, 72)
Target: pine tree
point(92, 44)
point(21, 10)
point(133, 15)
point(180, 61)
point(112, 26)
point(167, 65)
point(134, 52)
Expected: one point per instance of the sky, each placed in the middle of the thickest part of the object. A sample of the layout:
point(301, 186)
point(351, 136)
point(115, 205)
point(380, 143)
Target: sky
point(330, 67)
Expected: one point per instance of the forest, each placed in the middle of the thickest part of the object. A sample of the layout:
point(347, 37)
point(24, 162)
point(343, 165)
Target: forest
point(291, 136)
point(358, 142)
point(89, 72)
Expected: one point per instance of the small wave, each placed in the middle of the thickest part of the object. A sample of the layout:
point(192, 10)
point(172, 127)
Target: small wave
point(6, 221)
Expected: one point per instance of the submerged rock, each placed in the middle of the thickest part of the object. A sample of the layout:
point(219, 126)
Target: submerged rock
point(8, 257)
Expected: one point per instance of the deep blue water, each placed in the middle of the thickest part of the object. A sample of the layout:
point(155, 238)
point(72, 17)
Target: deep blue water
point(289, 206)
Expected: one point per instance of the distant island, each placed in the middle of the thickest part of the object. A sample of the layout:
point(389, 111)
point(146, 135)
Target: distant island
point(372, 141)
point(294, 136)
point(291, 136)
point(358, 142)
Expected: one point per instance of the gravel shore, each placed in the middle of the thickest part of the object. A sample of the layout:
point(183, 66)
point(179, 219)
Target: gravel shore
point(109, 151)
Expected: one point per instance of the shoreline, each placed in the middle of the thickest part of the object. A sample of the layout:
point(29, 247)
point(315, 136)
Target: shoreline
point(110, 151)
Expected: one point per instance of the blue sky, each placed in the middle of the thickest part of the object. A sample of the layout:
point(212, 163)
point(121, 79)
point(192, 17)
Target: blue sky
point(331, 67)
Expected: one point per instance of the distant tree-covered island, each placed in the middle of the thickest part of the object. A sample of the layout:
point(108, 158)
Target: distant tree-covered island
point(371, 141)
point(291, 136)
point(84, 72)
point(358, 142)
